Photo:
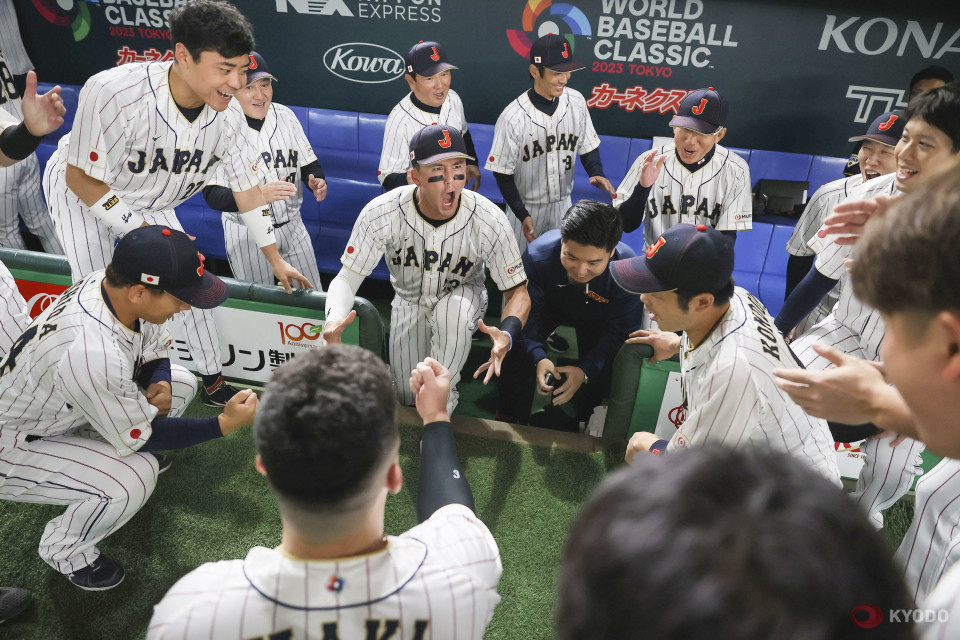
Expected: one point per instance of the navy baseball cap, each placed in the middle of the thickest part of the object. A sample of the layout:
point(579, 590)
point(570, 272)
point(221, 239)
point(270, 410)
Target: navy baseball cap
point(703, 111)
point(167, 259)
point(437, 142)
point(554, 53)
point(688, 258)
point(885, 128)
point(258, 68)
point(426, 59)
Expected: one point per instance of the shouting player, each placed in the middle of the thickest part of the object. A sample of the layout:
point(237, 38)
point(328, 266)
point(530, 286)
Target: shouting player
point(728, 351)
point(286, 162)
point(694, 180)
point(537, 139)
point(430, 101)
point(146, 137)
point(88, 387)
point(437, 238)
point(327, 442)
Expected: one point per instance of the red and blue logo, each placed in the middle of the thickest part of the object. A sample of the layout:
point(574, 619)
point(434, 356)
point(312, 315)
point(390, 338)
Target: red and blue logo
point(538, 21)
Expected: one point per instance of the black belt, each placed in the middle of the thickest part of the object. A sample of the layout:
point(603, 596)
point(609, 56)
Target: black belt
point(31, 438)
point(280, 224)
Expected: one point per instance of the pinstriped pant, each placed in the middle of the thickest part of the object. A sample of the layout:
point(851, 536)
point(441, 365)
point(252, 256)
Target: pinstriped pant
point(443, 332)
point(247, 261)
point(100, 489)
point(20, 194)
point(545, 217)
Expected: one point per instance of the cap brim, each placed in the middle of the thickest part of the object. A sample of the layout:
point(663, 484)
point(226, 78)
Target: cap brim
point(444, 156)
point(256, 75)
point(429, 72)
point(890, 141)
point(564, 67)
point(633, 276)
point(693, 124)
point(210, 293)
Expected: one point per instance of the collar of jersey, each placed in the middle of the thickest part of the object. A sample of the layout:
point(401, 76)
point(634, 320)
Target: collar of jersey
point(699, 164)
point(109, 306)
point(423, 106)
point(436, 224)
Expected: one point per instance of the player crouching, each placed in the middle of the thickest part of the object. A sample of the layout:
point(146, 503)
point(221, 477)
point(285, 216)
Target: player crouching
point(88, 388)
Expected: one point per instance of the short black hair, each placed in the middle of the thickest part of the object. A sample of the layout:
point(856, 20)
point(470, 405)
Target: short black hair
point(211, 25)
point(540, 70)
point(118, 281)
point(325, 425)
point(724, 544)
point(933, 72)
point(720, 297)
point(940, 108)
point(593, 224)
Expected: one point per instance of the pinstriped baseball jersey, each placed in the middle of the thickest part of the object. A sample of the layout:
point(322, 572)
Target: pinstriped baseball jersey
point(11, 44)
point(283, 149)
point(819, 207)
point(129, 133)
point(406, 119)
point(14, 316)
point(76, 365)
point(944, 597)
point(428, 262)
point(718, 193)
point(437, 580)
point(539, 150)
point(730, 395)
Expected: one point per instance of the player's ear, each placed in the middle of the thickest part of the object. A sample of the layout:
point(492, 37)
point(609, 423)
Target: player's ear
point(181, 55)
point(258, 465)
point(950, 324)
point(721, 133)
point(703, 301)
point(533, 71)
point(415, 176)
point(394, 478)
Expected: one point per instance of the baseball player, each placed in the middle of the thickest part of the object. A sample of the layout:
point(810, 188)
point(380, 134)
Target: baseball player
point(929, 141)
point(286, 162)
point(14, 316)
point(437, 238)
point(88, 387)
point(430, 101)
point(336, 574)
point(694, 180)
point(876, 158)
point(536, 141)
point(727, 352)
point(146, 137)
point(20, 184)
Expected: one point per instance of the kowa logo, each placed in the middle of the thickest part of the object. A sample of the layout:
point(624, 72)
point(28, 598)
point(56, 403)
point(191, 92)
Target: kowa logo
point(316, 7)
point(363, 62)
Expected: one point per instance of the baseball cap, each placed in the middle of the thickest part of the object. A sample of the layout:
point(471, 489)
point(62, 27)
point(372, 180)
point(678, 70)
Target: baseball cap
point(885, 129)
point(553, 52)
point(258, 68)
point(688, 258)
point(437, 142)
point(426, 59)
point(703, 110)
point(167, 258)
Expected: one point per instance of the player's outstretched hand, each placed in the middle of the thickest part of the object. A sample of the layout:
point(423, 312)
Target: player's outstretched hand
point(565, 392)
point(430, 383)
point(42, 114)
point(473, 177)
point(602, 183)
point(333, 329)
point(650, 167)
point(277, 190)
point(501, 345)
point(239, 411)
point(849, 218)
point(159, 395)
point(666, 344)
point(640, 442)
point(528, 233)
point(287, 276)
point(318, 186)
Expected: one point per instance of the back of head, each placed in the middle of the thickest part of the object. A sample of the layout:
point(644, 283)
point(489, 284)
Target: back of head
point(939, 107)
point(325, 425)
point(211, 25)
point(593, 224)
point(933, 72)
point(721, 544)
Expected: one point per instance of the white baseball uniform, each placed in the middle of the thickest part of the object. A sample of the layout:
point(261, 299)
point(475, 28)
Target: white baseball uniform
point(437, 272)
point(20, 183)
point(819, 207)
point(730, 395)
point(944, 599)
point(857, 329)
point(72, 418)
point(539, 150)
point(129, 133)
point(716, 193)
point(11, 44)
point(284, 148)
point(406, 119)
point(14, 316)
point(437, 580)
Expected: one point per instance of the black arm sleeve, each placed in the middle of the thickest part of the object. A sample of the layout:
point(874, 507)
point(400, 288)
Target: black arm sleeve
point(797, 268)
point(471, 149)
point(592, 163)
point(441, 479)
point(631, 211)
point(803, 300)
point(731, 234)
point(394, 180)
point(154, 371)
point(312, 169)
point(511, 195)
point(219, 198)
point(180, 433)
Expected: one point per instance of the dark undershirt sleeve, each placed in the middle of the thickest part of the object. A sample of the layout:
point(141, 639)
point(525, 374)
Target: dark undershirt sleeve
point(797, 268)
point(592, 163)
point(631, 211)
point(442, 481)
point(511, 195)
point(394, 181)
point(154, 371)
point(180, 433)
point(312, 169)
point(803, 300)
point(220, 198)
point(468, 140)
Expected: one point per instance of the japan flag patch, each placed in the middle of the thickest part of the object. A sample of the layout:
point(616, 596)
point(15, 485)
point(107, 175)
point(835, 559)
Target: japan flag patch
point(149, 279)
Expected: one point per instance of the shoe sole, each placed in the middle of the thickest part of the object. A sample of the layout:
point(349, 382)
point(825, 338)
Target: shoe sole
point(98, 588)
point(212, 403)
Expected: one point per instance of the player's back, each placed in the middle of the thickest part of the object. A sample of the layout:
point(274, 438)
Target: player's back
point(819, 206)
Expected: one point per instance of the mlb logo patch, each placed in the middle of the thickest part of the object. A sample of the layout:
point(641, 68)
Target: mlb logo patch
point(514, 269)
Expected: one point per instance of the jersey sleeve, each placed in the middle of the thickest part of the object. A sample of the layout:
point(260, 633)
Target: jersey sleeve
point(503, 255)
point(810, 222)
point(367, 240)
point(14, 317)
point(829, 260)
point(458, 116)
point(95, 377)
point(736, 210)
point(629, 183)
point(506, 142)
point(588, 140)
point(98, 138)
point(242, 156)
point(157, 341)
point(395, 154)
point(189, 608)
point(299, 136)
